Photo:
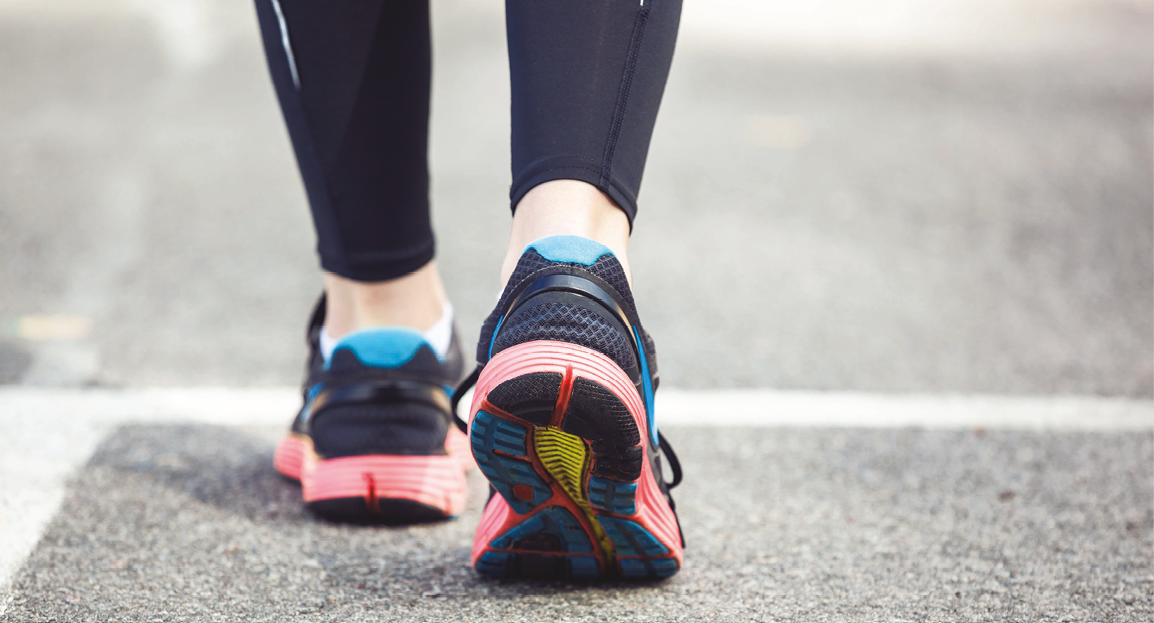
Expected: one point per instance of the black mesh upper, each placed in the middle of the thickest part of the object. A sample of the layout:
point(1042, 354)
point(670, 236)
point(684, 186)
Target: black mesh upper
point(359, 429)
point(565, 323)
point(533, 265)
point(388, 428)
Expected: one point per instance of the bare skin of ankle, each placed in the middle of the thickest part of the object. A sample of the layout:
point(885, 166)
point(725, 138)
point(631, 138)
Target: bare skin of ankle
point(416, 300)
point(567, 207)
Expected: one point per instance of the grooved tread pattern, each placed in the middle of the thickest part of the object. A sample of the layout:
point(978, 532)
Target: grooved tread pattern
point(638, 552)
point(630, 539)
point(596, 414)
point(530, 396)
point(613, 497)
point(594, 459)
point(564, 456)
point(554, 521)
point(490, 433)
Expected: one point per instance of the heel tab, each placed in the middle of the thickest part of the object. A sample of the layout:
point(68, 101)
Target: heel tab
point(570, 249)
point(382, 347)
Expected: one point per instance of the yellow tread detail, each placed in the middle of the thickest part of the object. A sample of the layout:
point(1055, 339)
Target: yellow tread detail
point(566, 457)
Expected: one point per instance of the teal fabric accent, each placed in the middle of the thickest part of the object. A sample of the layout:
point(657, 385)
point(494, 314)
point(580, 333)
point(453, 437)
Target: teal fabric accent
point(647, 385)
point(493, 340)
point(570, 249)
point(384, 347)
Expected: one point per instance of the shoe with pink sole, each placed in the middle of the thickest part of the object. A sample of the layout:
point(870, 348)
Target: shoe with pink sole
point(562, 425)
point(374, 441)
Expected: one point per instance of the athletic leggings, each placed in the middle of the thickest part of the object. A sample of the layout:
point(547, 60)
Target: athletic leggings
point(353, 79)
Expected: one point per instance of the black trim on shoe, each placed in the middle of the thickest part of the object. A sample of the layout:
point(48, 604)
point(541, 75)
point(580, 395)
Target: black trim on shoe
point(674, 464)
point(459, 393)
point(383, 391)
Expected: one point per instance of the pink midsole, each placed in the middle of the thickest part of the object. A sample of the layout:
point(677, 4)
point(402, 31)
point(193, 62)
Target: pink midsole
point(457, 445)
point(653, 512)
point(438, 481)
point(290, 455)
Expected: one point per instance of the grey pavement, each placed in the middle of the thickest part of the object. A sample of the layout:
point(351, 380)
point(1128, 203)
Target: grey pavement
point(191, 523)
point(945, 198)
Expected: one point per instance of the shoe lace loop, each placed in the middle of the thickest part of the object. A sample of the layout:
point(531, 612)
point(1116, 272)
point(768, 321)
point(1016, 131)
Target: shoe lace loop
point(459, 393)
point(671, 456)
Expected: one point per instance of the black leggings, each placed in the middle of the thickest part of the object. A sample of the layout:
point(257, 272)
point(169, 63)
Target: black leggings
point(353, 79)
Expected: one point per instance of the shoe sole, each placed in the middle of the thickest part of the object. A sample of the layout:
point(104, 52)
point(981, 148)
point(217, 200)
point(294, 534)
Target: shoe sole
point(378, 489)
point(559, 431)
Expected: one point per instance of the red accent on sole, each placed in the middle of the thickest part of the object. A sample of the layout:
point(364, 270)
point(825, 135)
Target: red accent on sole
point(523, 492)
point(436, 481)
point(289, 456)
point(563, 395)
point(371, 500)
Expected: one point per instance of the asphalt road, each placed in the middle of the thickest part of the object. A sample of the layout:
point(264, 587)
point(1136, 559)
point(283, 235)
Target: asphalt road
point(953, 198)
point(190, 523)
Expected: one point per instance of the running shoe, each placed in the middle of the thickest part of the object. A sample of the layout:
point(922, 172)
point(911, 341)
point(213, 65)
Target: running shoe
point(561, 424)
point(374, 441)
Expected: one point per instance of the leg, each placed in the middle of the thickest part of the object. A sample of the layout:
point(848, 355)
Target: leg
point(353, 79)
point(587, 79)
point(562, 422)
point(373, 441)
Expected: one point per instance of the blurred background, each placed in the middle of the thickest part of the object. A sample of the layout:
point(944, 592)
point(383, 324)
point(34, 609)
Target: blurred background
point(899, 195)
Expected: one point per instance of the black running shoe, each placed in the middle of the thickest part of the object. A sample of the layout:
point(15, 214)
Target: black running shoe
point(375, 440)
point(562, 425)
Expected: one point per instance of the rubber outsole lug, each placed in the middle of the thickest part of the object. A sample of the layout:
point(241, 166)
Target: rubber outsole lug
point(530, 396)
point(630, 539)
point(641, 569)
point(555, 521)
point(539, 566)
point(597, 415)
point(515, 480)
point(613, 497)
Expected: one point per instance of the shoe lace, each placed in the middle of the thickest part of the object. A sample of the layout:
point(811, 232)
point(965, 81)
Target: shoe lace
point(459, 393)
point(471, 380)
point(671, 456)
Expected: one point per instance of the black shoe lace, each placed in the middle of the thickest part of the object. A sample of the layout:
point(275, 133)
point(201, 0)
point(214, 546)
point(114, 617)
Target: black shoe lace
point(459, 393)
point(471, 380)
point(671, 456)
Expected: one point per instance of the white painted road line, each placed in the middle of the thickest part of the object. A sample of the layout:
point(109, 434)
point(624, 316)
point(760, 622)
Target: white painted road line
point(768, 408)
point(48, 433)
point(723, 407)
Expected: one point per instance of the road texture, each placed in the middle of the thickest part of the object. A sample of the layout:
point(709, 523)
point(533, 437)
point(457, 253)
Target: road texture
point(866, 199)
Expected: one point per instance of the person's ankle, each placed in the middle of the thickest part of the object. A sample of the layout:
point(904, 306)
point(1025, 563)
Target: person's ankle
point(566, 207)
point(416, 300)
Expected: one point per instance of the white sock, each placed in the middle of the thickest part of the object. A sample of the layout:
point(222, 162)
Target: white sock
point(439, 336)
point(328, 344)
